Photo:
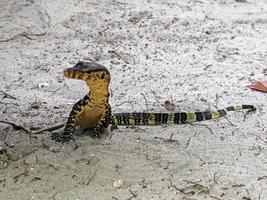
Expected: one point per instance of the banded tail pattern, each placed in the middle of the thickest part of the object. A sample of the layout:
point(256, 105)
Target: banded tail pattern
point(144, 118)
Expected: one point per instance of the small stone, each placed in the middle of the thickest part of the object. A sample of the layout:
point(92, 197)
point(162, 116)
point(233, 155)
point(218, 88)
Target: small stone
point(54, 149)
point(12, 156)
point(35, 105)
point(43, 85)
point(118, 184)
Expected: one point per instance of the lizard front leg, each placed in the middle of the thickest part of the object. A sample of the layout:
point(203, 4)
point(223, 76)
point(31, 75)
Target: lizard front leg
point(68, 132)
point(102, 125)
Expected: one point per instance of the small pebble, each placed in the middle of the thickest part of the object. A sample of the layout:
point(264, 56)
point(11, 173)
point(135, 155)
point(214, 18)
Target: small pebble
point(118, 184)
point(12, 156)
point(43, 85)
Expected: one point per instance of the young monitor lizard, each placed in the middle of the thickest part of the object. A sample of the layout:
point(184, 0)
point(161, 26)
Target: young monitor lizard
point(93, 112)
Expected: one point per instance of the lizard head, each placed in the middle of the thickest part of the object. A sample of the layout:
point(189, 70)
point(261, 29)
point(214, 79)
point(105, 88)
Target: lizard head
point(92, 73)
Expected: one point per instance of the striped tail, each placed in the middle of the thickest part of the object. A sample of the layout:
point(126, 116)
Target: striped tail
point(138, 118)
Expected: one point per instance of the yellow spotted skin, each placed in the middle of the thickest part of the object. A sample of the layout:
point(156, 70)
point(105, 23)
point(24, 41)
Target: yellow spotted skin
point(93, 112)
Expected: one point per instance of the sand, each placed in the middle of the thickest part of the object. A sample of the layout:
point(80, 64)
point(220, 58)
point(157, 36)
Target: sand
point(199, 54)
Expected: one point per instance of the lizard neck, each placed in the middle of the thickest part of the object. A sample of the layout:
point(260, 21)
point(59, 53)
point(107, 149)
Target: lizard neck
point(98, 95)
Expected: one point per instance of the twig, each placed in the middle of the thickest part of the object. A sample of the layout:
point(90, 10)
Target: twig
point(18, 127)
point(246, 198)
point(228, 121)
point(54, 196)
point(36, 178)
point(196, 184)
point(145, 101)
point(214, 197)
point(15, 104)
point(123, 103)
point(216, 106)
point(214, 178)
point(262, 177)
point(133, 195)
point(166, 140)
point(258, 137)
point(202, 125)
point(53, 166)
point(24, 173)
point(187, 143)
point(209, 17)
point(47, 164)
point(92, 177)
point(170, 139)
point(181, 190)
point(216, 101)
point(23, 34)
point(51, 128)
point(137, 128)
point(238, 185)
point(8, 95)
point(246, 114)
point(203, 188)
point(119, 55)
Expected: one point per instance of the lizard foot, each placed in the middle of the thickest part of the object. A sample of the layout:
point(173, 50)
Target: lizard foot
point(95, 132)
point(61, 137)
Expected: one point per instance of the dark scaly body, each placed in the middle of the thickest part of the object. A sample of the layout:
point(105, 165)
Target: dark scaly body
point(94, 112)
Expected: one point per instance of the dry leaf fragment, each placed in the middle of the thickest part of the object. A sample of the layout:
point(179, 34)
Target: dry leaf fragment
point(259, 85)
point(169, 105)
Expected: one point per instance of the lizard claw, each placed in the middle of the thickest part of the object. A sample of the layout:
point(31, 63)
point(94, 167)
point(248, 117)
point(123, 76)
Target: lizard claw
point(95, 133)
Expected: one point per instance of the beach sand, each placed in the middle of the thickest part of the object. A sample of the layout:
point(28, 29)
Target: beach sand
point(198, 54)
